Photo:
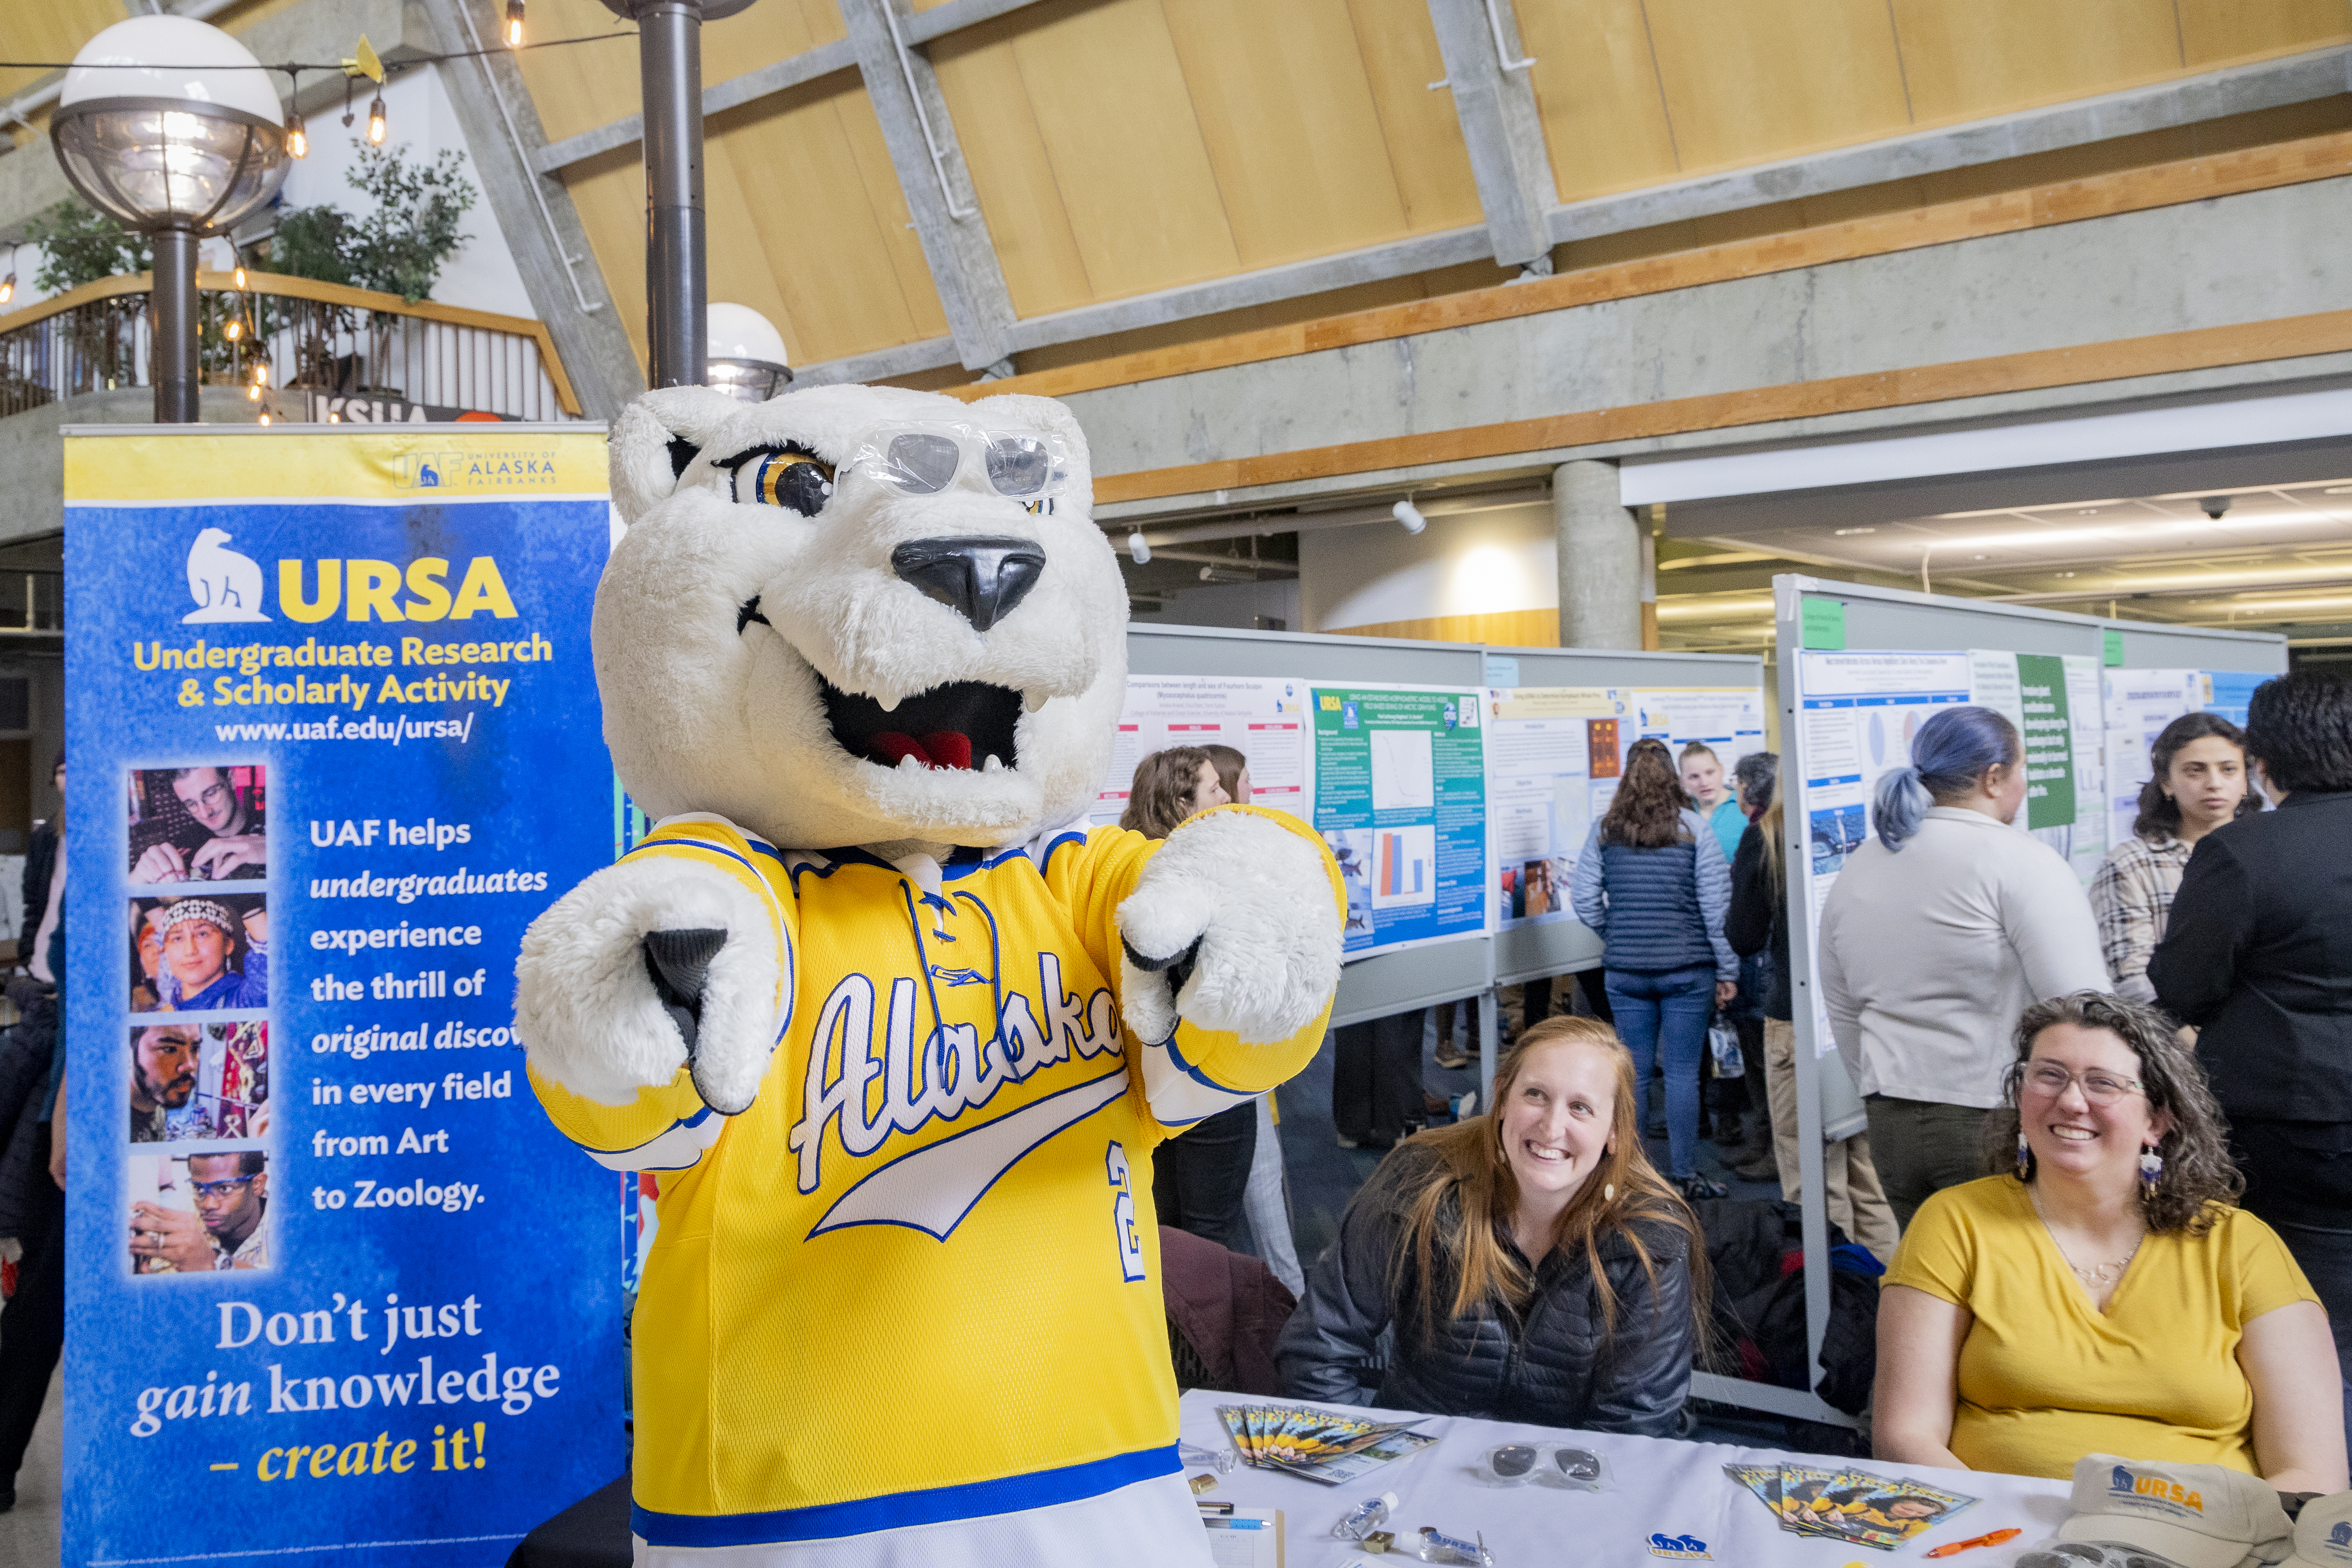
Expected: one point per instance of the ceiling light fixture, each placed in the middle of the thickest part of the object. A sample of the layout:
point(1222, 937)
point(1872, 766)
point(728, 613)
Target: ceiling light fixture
point(1409, 515)
point(1848, 533)
point(1138, 548)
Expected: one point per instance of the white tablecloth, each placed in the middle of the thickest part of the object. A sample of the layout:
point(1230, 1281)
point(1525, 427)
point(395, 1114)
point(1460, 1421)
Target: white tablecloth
point(1655, 1487)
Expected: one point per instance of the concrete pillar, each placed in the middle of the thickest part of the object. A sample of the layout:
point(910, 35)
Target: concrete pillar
point(1599, 558)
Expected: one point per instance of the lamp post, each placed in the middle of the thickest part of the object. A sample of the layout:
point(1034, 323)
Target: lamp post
point(747, 358)
point(168, 126)
point(677, 289)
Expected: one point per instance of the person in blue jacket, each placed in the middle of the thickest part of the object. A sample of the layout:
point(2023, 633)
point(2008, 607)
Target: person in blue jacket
point(1653, 883)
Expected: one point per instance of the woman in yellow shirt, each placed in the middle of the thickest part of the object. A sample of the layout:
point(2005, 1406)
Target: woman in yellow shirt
point(2107, 1297)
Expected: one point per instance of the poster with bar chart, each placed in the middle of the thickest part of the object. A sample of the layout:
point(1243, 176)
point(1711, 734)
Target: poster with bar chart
point(1400, 789)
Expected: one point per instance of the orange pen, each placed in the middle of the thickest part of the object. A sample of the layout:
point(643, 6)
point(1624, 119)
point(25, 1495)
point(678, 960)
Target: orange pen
point(1995, 1539)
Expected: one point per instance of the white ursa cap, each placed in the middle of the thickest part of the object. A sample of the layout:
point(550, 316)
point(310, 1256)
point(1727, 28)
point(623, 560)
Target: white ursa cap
point(2199, 1516)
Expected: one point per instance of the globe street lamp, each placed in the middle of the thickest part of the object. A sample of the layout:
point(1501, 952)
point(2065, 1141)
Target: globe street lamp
point(747, 356)
point(168, 126)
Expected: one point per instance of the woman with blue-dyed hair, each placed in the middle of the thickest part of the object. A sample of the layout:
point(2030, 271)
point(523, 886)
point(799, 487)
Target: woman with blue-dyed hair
point(1942, 928)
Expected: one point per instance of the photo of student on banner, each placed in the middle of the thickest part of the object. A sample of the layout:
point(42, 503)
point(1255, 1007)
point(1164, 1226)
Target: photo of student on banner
point(210, 953)
point(199, 1082)
point(199, 1214)
point(198, 824)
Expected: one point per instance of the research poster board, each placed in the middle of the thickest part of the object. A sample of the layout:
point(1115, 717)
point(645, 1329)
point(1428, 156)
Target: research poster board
point(1400, 797)
point(1728, 719)
point(1553, 759)
point(2055, 700)
point(335, 1282)
point(1263, 718)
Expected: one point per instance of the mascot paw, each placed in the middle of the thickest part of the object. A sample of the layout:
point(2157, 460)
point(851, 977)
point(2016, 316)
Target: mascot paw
point(646, 966)
point(1232, 926)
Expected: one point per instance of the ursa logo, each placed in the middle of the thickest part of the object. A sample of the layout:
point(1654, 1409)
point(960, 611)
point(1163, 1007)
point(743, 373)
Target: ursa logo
point(2123, 1481)
point(2340, 1536)
point(225, 585)
point(1678, 1546)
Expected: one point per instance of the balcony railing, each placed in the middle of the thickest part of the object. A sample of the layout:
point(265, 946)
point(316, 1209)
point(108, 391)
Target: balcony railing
point(292, 338)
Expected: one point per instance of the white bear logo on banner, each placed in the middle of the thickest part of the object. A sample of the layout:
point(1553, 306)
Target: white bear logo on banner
point(899, 1032)
point(225, 585)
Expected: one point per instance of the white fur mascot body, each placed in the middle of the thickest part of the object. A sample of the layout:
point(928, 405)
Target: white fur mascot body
point(900, 1050)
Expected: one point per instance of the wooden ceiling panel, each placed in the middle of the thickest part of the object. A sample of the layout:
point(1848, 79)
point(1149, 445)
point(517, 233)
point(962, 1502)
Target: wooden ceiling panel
point(50, 30)
point(582, 86)
point(1771, 79)
point(610, 197)
point(1004, 151)
point(2215, 32)
point(1596, 86)
point(1967, 58)
point(1125, 148)
point(1286, 112)
point(815, 215)
point(1432, 167)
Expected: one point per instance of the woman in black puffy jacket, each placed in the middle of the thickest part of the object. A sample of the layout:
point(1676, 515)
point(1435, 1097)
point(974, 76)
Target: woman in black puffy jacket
point(1529, 1265)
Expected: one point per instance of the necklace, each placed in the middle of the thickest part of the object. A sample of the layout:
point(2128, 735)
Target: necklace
point(2098, 1276)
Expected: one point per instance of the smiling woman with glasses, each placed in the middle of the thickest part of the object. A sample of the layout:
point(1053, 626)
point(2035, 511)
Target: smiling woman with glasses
point(2104, 1294)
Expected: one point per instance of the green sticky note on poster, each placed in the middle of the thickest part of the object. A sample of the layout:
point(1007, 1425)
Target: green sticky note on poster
point(2114, 656)
point(1823, 622)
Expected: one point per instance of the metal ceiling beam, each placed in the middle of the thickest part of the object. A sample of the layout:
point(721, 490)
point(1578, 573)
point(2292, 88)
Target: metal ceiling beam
point(905, 92)
point(1488, 75)
point(732, 93)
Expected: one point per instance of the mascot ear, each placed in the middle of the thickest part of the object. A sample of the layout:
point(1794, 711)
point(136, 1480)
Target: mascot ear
point(656, 437)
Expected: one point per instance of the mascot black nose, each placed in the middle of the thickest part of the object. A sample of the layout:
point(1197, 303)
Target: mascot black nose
point(978, 577)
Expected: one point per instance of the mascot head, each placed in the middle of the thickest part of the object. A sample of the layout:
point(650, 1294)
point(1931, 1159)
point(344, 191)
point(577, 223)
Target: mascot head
point(859, 614)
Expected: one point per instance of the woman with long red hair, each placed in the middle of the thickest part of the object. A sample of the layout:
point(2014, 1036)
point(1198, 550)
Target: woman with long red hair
point(1531, 1262)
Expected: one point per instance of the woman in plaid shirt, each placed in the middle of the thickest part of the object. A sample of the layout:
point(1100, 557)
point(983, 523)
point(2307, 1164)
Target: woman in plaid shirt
point(2199, 784)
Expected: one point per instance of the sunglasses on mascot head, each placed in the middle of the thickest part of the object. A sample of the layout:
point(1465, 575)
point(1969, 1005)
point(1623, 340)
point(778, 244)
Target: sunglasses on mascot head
point(930, 458)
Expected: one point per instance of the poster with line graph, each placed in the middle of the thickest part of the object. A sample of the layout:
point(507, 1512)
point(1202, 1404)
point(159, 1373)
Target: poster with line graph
point(1400, 796)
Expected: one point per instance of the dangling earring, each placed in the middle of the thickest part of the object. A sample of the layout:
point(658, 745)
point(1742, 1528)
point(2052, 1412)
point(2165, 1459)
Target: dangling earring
point(2024, 1158)
point(1609, 1193)
point(2151, 1171)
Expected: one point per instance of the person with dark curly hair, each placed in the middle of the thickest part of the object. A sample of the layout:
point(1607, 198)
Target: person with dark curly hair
point(2105, 1296)
point(2197, 784)
point(2256, 956)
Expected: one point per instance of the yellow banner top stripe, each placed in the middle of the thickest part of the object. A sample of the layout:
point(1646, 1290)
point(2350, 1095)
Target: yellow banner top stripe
point(415, 463)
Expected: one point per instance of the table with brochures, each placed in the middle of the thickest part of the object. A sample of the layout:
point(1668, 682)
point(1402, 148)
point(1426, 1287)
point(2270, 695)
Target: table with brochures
point(1657, 1498)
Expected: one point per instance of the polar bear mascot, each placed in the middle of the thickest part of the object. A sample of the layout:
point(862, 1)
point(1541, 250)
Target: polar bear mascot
point(899, 1038)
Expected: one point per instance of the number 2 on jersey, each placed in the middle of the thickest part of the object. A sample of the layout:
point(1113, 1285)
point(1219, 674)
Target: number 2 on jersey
point(1122, 1214)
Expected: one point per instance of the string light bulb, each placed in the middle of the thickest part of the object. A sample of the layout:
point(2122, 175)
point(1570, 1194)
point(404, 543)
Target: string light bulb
point(376, 122)
point(234, 329)
point(514, 23)
point(8, 284)
point(253, 393)
point(298, 140)
point(260, 374)
point(264, 416)
point(238, 275)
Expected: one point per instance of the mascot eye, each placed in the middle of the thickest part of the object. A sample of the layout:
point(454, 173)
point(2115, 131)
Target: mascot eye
point(785, 479)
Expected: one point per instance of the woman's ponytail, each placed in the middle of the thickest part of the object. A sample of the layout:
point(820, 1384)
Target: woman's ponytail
point(1950, 756)
point(1903, 802)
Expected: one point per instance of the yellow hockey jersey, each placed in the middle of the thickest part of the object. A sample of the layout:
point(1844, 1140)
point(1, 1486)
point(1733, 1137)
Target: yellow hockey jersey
point(918, 1280)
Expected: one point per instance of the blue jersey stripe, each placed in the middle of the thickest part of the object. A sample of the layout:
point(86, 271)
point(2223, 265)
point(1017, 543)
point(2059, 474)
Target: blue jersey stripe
point(902, 1510)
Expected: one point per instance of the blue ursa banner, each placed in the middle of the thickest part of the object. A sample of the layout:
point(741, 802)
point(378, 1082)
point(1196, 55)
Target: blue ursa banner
point(335, 1284)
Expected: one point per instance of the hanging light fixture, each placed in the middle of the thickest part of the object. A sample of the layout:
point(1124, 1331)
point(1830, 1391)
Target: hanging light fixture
point(298, 140)
point(8, 284)
point(376, 122)
point(514, 23)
